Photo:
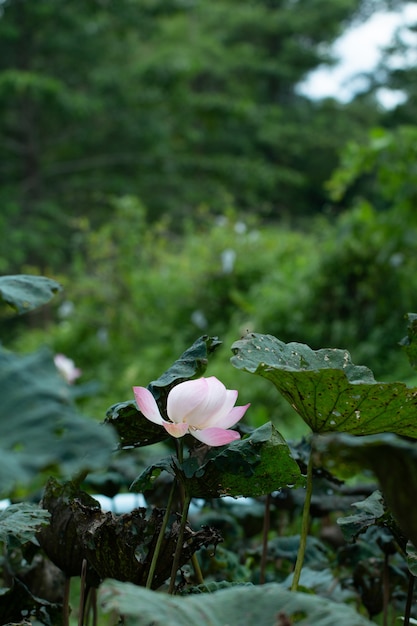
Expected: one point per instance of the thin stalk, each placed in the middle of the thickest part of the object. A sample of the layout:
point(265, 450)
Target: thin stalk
point(82, 593)
point(180, 450)
point(65, 602)
point(94, 600)
point(194, 559)
point(305, 522)
point(409, 604)
point(265, 533)
point(197, 569)
point(385, 578)
point(88, 606)
point(92, 606)
point(160, 536)
point(180, 540)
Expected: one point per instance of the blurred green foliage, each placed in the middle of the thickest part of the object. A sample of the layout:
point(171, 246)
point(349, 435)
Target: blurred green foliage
point(137, 296)
point(181, 104)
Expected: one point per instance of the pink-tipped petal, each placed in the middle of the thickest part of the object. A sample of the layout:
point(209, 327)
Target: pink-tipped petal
point(233, 416)
point(184, 398)
point(215, 418)
point(216, 403)
point(215, 436)
point(175, 430)
point(147, 404)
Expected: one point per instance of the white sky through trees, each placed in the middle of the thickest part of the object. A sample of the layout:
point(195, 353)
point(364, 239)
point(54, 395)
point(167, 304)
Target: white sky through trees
point(359, 50)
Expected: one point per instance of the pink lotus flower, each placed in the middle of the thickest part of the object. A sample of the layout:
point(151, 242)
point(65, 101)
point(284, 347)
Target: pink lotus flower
point(202, 407)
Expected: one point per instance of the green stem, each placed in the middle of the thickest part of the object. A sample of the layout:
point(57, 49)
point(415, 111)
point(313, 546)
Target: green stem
point(265, 534)
point(160, 537)
point(180, 450)
point(83, 586)
point(93, 597)
point(409, 604)
point(305, 522)
point(385, 588)
point(65, 602)
point(197, 569)
point(194, 558)
point(180, 540)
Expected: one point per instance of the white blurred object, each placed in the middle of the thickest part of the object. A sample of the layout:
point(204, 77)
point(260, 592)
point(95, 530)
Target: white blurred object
point(121, 503)
point(66, 368)
point(66, 309)
point(126, 502)
point(240, 228)
point(228, 258)
point(199, 319)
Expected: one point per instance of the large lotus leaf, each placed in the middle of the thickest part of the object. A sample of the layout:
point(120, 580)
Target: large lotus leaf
point(269, 605)
point(327, 390)
point(24, 293)
point(11, 470)
point(146, 479)
point(133, 428)
point(392, 459)
point(17, 601)
point(20, 522)
point(40, 427)
point(370, 512)
point(249, 467)
point(323, 583)
point(191, 364)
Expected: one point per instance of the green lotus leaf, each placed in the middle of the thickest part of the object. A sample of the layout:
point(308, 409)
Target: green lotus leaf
point(17, 600)
point(146, 479)
point(268, 605)
point(392, 459)
point(249, 467)
point(25, 293)
point(21, 521)
point(40, 427)
point(191, 364)
point(371, 512)
point(327, 390)
point(132, 427)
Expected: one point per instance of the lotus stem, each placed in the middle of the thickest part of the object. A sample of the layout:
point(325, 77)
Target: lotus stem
point(386, 594)
point(305, 523)
point(180, 450)
point(82, 593)
point(265, 533)
point(194, 558)
point(407, 615)
point(160, 536)
point(65, 602)
point(180, 540)
point(197, 569)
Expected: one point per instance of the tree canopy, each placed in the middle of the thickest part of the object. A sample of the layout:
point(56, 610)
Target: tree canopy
point(182, 104)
